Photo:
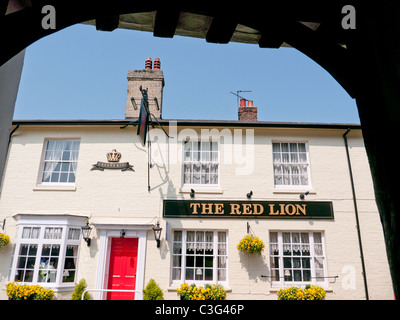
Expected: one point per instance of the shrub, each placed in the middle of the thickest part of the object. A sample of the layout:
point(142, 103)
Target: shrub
point(308, 293)
point(17, 291)
point(79, 288)
point(153, 291)
point(251, 244)
point(209, 292)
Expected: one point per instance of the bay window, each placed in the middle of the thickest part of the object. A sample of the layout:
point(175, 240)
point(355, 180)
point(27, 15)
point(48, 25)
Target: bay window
point(46, 254)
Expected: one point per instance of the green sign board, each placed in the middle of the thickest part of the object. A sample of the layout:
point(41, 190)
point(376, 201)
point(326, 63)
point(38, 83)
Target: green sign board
point(248, 209)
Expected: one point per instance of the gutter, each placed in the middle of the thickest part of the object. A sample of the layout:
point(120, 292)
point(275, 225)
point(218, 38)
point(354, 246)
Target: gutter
point(195, 123)
point(356, 214)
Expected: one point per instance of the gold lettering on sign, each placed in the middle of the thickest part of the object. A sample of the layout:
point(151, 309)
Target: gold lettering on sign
point(247, 209)
point(271, 210)
point(194, 206)
point(258, 209)
point(206, 207)
point(302, 208)
point(288, 209)
point(219, 208)
point(235, 209)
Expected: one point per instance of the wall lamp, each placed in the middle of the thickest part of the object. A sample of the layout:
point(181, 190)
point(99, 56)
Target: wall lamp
point(157, 233)
point(304, 194)
point(86, 233)
point(2, 224)
point(192, 193)
point(249, 194)
point(122, 234)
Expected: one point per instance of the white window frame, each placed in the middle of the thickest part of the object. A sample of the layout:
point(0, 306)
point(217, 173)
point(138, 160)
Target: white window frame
point(313, 278)
point(40, 181)
point(215, 260)
point(65, 222)
point(201, 185)
point(292, 186)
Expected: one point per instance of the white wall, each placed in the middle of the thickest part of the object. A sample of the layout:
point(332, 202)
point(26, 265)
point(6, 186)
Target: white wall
point(115, 197)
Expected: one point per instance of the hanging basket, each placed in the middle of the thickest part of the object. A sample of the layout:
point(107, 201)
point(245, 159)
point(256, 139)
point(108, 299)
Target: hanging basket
point(251, 244)
point(4, 240)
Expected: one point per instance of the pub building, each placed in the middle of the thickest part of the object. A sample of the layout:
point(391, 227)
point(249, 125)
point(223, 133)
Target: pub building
point(120, 202)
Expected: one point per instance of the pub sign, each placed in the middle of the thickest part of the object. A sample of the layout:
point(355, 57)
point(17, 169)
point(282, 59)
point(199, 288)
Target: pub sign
point(248, 209)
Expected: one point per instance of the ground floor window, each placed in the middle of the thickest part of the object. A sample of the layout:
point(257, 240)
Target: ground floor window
point(297, 258)
point(199, 256)
point(46, 255)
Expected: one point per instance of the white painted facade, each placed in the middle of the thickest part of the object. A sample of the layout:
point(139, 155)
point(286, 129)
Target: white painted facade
point(113, 200)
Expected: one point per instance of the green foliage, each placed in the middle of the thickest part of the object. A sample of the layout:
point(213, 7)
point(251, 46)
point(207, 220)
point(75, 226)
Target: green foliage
point(153, 291)
point(79, 288)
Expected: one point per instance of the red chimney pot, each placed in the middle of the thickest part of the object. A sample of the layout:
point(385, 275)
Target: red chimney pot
point(157, 63)
point(242, 102)
point(148, 64)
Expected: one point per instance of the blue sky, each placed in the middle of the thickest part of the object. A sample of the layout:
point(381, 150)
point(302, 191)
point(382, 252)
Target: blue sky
point(80, 73)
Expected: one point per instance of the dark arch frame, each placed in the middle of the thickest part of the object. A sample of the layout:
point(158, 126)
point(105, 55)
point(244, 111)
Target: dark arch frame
point(368, 68)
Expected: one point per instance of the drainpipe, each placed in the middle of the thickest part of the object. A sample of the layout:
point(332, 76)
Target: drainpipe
point(356, 214)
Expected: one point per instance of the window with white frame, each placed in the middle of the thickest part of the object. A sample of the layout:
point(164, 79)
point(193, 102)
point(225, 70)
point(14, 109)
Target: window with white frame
point(46, 254)
point(201, 163)
point(60, 161)
point(291, 164)
point(199, 256)
point(297, 258)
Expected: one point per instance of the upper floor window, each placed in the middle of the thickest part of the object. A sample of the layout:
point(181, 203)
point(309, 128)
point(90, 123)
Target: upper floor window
point(60, 160)
point(200, 163)
point(291, 164)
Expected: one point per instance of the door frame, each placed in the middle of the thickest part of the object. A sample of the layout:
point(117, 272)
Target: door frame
point(108, 231)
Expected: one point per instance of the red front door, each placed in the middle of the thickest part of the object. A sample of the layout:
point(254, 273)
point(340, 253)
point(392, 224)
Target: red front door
point(122, 272)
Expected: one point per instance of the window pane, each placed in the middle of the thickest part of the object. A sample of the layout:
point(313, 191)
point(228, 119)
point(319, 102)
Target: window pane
point(297, 258)
point(295, 168)
point(200, 163)
point(199, 256)
point(60, 161)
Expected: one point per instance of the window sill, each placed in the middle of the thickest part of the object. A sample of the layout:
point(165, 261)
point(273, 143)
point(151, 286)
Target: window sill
point(204, 190)
point(173, 288)
point(293, 191)
point(53, 188)
point(275, 289)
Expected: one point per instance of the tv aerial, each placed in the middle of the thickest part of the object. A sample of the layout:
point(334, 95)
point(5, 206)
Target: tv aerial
point(239, 96)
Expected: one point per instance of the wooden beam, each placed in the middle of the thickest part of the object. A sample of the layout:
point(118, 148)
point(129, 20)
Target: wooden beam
point(269, 41)
point(107, 22)
point(165, 23)
point(221, 29)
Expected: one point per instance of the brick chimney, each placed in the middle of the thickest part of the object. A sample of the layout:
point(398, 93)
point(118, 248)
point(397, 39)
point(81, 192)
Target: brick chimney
point(150, 79)
point(247, 113)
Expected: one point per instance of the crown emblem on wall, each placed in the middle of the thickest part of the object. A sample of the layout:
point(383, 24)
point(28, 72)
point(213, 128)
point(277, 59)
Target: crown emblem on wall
point(113, 156)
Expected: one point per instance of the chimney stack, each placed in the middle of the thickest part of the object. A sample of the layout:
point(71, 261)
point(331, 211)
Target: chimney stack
point(150, 79)
point(247, 113)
